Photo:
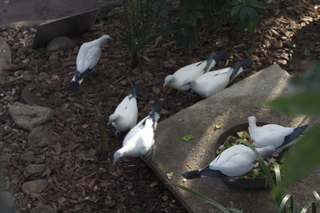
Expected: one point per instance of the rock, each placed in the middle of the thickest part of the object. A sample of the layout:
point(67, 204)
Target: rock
point(27, 157)
point(34, 187)
point(39, 136)
point(5, 53)
point(42, 209)
point(33, 169)
point(11, 67)
point(5, 58)
point(60, 43)
point(7, 201)
point(27, 116)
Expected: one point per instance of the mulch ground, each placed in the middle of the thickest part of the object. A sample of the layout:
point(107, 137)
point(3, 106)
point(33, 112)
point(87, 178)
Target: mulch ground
point(81, 177)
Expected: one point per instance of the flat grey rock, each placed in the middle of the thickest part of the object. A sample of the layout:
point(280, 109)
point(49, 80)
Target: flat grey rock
point(39, 136)
point(5, 58)
point(42, 209)
point(27, 116)
point(229, 107)
point(60, 43)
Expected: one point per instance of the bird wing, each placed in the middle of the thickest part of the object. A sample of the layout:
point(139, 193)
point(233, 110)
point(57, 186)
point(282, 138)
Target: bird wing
point(211, 82)
point(234, 161)
point(122, 106)
point(81, 57)
point(93, 57)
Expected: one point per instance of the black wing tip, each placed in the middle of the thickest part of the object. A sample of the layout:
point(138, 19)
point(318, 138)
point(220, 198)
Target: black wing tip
point(157, 106)
point(73, 86)
point(220, 56)
point(296, 132)
point(247, 63)
point(191, 175)
point(134, 90)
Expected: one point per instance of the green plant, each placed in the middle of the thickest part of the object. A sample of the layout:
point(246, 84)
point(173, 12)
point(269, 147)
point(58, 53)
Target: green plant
point(210, 201)
point(246, 13)
point(304, 155)
point(185, 18)
point(102, 130)
point(139, 25)
point(283, 195)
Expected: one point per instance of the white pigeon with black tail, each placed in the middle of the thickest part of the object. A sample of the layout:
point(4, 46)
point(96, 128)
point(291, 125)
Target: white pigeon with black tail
point(232, 162)
point(125, 115)
point(139, 142)
point(87, 59)
point(192, 71)
point(212, 82)
point(272, 134)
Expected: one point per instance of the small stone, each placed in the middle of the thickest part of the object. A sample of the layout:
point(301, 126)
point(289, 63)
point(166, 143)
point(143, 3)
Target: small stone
point(7, 200)
point(60, 43)
point(33, 169)
point(39, 136)
point(5, 53)
point(42, 209)
point(282, 61)
point(278, 44)
point(27, 156)
point(11, 67)
point(34, 187)
point(27, 116)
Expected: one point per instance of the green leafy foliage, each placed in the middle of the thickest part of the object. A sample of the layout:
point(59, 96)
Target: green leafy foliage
point(139, 24)
point(304, 155)
point(246, 13)
point(210, 201)
point(186, 17)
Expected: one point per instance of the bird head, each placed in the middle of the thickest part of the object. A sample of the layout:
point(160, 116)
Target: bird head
point(188, 82)
point(105, 38)
point(112, 118)
point(169, 79)
point(116, 156)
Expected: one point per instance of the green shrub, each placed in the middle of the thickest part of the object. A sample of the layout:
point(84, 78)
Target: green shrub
point(184, 20)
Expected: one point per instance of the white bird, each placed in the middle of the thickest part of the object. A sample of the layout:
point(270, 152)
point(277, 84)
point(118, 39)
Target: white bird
point(192, 71)
point(126, 114)
point(140, 139)
point(87, 59)
point(212, 82)
point(272, 134)
point(232, 162)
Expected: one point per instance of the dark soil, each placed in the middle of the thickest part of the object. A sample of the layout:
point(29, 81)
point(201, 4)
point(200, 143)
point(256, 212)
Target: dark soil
point(81, 176)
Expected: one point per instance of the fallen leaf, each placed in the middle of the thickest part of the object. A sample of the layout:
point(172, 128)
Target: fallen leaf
point(187, 137)
point(170, 175)
point(218, 126)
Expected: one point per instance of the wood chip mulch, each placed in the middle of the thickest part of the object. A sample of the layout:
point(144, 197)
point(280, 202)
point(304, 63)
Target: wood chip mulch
point(79, 176)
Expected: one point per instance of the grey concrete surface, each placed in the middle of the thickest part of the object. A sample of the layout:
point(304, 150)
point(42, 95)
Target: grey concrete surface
point(228, 107)
point(35, 12)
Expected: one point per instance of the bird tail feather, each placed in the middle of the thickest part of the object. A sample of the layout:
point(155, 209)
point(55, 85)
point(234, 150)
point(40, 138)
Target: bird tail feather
point(296, 132)
point(209, 61)
point(73, 86)
point(205, 172)
point(247, 63)
point(134, 90)
point(238, 67)
point(221, 55)
point(191, 175)
point(155, 112)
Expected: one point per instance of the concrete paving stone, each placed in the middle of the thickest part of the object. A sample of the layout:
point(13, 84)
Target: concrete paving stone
point(229, 107)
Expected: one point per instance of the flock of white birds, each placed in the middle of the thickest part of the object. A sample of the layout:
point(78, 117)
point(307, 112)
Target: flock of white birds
point(197, 77)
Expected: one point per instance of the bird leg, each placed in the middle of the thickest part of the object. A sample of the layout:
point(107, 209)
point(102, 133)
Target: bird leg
point(150, 155)
point(188, 94)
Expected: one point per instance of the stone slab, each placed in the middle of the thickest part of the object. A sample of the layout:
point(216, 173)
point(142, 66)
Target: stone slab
point(229, 107)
